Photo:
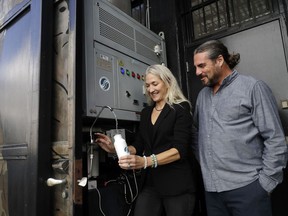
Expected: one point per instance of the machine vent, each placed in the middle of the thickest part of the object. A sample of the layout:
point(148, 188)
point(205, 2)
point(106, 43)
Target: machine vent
point(117, 29)
point(144, 51)
point(114, 22)
point(145, 46)
point(144, 40)
point(116, 36)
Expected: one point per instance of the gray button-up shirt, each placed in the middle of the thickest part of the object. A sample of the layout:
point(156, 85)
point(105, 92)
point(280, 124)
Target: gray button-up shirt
point(240, 137)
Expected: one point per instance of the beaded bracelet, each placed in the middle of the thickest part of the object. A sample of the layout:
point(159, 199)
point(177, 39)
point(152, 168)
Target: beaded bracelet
point(154, 161)
point(145, 161)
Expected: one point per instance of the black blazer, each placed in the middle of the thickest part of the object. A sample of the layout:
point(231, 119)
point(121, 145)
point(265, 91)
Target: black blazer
point(171, 130)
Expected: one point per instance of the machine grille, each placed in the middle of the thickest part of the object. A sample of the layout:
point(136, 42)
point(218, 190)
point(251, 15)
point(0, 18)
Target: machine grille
point(145, 46)
point(144, 40)
point(144, 51)
point(114, 22)
point(126, 32)
point(116, 36)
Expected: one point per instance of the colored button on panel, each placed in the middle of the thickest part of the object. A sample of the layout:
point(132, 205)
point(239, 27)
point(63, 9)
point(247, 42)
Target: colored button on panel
point(122, 70)
point(127, 72)
point(133, 74)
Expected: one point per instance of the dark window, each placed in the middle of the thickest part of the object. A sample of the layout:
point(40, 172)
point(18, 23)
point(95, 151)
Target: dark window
point(138, 8)
point(205, 17)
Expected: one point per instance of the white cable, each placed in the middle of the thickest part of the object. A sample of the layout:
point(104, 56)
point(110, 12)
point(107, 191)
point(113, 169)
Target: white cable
point(100, 205)
point(130, 188)
point(148, 15)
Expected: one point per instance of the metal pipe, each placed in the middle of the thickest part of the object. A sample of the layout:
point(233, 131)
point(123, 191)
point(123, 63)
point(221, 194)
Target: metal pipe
point(116, 121)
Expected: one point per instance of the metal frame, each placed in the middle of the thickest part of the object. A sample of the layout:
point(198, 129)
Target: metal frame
point(223, 23)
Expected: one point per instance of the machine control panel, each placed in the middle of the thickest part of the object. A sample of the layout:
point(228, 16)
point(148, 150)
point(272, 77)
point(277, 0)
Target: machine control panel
point(116, 81)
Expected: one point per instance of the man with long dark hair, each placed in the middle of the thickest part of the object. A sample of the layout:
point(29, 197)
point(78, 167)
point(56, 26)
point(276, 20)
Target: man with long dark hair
point(242, 147)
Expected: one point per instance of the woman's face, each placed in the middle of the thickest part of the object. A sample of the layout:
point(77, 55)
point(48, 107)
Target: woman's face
point(156, 88)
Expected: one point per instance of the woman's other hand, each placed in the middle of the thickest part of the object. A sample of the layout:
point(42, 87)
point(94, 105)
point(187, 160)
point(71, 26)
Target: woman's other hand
point(105, 142)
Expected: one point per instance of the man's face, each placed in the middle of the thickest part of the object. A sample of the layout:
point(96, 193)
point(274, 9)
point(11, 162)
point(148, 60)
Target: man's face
point(208, 70)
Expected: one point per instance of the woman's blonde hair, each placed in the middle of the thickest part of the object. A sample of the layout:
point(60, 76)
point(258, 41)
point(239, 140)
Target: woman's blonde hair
point(174, 94)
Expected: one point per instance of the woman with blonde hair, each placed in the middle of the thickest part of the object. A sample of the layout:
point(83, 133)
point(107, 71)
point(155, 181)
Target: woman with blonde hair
point(161, 148)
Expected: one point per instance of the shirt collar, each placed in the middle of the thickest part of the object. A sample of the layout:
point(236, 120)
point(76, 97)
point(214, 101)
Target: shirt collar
point(230, 78)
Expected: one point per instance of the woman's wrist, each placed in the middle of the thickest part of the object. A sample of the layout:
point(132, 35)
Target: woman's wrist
point(150, 161)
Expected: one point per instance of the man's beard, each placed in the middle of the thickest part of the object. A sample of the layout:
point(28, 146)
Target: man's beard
point(214, 79)
point(211, 82)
